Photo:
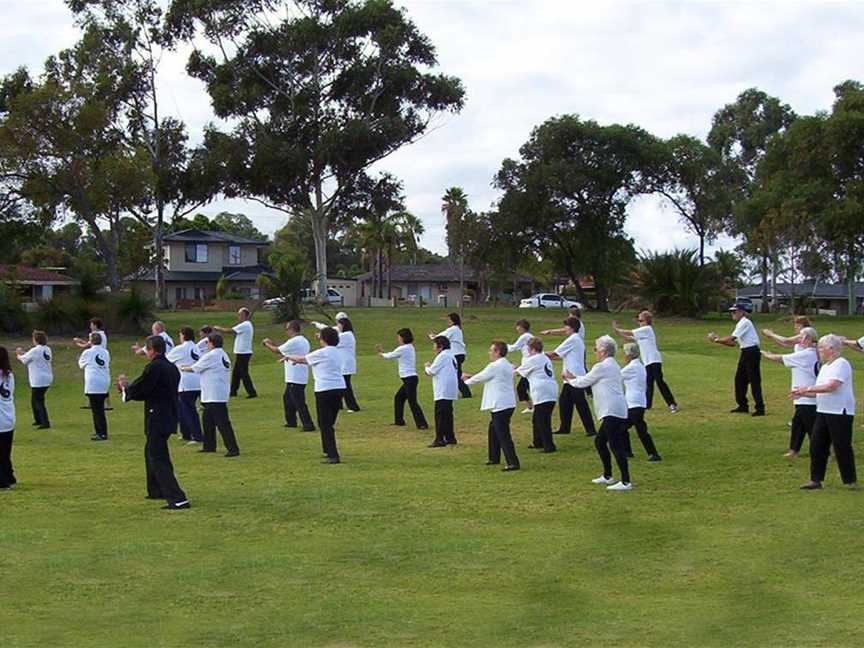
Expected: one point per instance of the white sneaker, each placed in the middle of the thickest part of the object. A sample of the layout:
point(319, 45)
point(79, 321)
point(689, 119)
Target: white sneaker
point(673, 409)
point(620, 486)
point(528, 410)
point(604, 480)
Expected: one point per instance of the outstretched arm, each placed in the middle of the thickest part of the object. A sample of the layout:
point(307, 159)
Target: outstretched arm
point(627, 334)
point(728, 340)
point(782, 341)
point(853, 344)
point(773, 357)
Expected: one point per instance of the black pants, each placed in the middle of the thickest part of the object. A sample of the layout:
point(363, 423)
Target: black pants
point(97, 409)
point(327, 406)
point(294, 403)
point(444, 429)
point(636, 418)
point(37, 402)
point(161, 481)
point(216, 417)
point(523, 389)
point(348, 395)
point(500, 438)
point(832, 430)
point(463, 388)
point(749, 373)
point(408, 392)
point(240, 372)
point(7, 474)
point(802, 426)
point(611, 435)
point(574, 397)
point(541, 424)
point(654, 373)
point(187, 413)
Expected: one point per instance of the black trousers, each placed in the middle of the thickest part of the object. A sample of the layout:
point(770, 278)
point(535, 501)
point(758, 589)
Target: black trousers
point(37, 403)
point(802, 426)
point(327, 406)
point(611, 434)
point(636, 418)
point(444, 428)
point(832, 430)
point(541, 425)
point(240, 373)
point(463, 388)
point(294, 403)
point(161, 481)
point(408, 392)
point(749, 374)
point(97, 409)
point(7, 474)
point(500, 438)
point(348, 395)
point(574, 397)
point(187, 413)
point(216, 417)
point(523, 389)
point(654, 373)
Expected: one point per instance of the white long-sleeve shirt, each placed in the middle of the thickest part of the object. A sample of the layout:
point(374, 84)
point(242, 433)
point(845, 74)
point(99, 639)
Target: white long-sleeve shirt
point(185, 355)
point(348, 348)
point(407, 356)
point(541, 378)
point(607, 385)
point(498, 391)
point(521, 344)
point(214, 368)
point(805, 368)
point(7, 403)
point(445, 376)
point(647, 341)
point(96, 363)
point(457, 340)
point(38, 362)
point(635, 383)
point(572, 353)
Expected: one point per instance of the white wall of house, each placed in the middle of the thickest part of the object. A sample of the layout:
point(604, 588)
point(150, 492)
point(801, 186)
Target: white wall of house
point(218, 255)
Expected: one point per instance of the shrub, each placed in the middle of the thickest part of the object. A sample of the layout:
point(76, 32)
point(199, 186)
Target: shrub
point(674, 284)
point(13, 317)
point(132, 310)
point(58, 315)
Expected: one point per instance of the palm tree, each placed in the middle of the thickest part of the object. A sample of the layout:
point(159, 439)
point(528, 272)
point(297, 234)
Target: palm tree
point(454, 208)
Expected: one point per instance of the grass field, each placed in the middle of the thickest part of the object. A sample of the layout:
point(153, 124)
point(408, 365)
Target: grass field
point(407, 546)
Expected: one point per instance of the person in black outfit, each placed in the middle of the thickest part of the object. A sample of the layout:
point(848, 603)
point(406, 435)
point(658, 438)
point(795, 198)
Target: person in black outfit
point(157, 387)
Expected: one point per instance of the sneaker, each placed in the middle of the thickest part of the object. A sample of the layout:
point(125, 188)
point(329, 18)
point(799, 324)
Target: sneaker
point(791, 454)
point(602, 479)
point(528, 410)
point(655, 458)
point(854, 486)
point(739, 410)
point(673, 408)
point(98, 437)
point(177, 506)
point(620, 486)
point(758, 413)
point(192, 442)
point(811, 485)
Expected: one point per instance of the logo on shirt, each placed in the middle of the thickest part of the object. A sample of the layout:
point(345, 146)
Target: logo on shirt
point(817, 368)
point(195, 356)
point(47, 356)
point(5, 393)
point(548, 370)
point(225, 363)
point(100, 360)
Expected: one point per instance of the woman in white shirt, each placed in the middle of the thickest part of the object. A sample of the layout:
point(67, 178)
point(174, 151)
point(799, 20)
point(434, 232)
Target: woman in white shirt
point(96, 363)
point(296, 376)
point(40, 374)
point(348, 350)
point(7, 420)
point(611, 406)
point(650, 358)
point(635, 376)
point(182, 355)
point(499, 398)
point(457, 346)
point(407, 357)
point(244, 333)
point(445, 390)
point(536, 370)
point(523, 391)
point(572, 352)
point(835, 413)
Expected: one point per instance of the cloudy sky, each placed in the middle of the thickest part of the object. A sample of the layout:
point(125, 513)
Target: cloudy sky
point(666, 66)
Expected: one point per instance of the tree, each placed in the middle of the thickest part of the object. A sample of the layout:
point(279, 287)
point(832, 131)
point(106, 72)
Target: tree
point(457, 220)
point(319, 89)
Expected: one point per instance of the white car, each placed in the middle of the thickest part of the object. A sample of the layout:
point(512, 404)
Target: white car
point(333, 298)
point(548, 300)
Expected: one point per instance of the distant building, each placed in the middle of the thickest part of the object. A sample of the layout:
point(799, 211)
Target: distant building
point(35, 285)
point(832, 298)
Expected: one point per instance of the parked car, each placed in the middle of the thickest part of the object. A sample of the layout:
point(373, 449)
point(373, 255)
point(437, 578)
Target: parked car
point(746, 302)
point(334, 297)
point(548, 300)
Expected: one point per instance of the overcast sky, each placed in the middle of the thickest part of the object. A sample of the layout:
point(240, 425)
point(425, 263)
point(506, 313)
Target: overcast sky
point(666, 66)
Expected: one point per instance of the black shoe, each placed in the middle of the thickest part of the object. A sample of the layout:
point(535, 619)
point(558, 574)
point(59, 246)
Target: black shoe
point(288, 425)
point(251, 396)
point(311, 429)
point(452, 443)
point(437, 445)
point(509, 468)
point(739, 410)
point(560, 432)
point(98, 437)
point(550, 450)
point(811, 485)
point(177, 506)
point(109, 409)
point(35, 424)
point(84, 407)
point(331, 460)
point(422, 427)
point(396, 424)
point(205, 450)
point(232, 454)
point(759, 413)
point(630, 455)
point(655, 458)
point(43, 427)
point(492, 463)
point(590, 434)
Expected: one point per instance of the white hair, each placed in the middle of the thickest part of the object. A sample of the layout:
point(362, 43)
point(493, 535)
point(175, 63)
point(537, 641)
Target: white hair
point(832, 341)
point(606, 344)
point(810, 333)
point(631, 350)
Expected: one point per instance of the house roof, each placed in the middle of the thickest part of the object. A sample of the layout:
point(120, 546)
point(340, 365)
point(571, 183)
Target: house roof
point(805, 289)
point(432, 272)
point(29, 275)
point(207, 236)
point(231, 273)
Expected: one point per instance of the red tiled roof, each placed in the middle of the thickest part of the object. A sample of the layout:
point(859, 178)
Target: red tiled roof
point(29, 274)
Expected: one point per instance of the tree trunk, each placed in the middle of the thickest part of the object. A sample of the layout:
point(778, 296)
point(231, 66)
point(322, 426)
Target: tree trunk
point(701, 251)
point(461, 286)
point(158, 244)
point(850, 283)
point(602, 297)
point(764, 273)
point(320, 228)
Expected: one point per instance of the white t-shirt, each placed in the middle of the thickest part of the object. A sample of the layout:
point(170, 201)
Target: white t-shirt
point(572, 352)
point(607, 385)
point(861, 342)
point(582, 330)
point(647, 341)
point(96, 363)
point(185, 355)
point(348, 348)
point(521, 344)
point(243, 338)
point(842, 399)
point(7, 403)
point(326, 364)
point(407, 357)
point(298, 345)
point(214, 368)
point(457, 341)
point(804, 364)
point(38, 363)
point(541, 378)
point(635, 383)
point(203, 345)
point(445, 376)
point(104, 335)
point(169, 343)
point(745, 333)
point(498, 391)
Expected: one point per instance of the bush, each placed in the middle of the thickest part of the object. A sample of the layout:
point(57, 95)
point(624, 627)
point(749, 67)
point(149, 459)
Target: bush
point(57, 315)
point(132, 309)
point(13, 317)
point(674, 284)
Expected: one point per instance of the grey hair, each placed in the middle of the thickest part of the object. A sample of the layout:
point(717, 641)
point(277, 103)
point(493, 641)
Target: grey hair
point(160, 324)
point(832, 341)
point(631, 350)
point(810, 333)
point(606, 344)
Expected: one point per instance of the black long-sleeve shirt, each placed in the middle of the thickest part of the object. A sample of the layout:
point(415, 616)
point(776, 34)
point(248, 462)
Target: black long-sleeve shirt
point(157, 387)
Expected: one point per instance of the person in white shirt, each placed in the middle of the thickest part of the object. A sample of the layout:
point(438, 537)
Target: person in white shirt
point(650, 357)
point(835, 414)
point(204, 343)
point(214, 368)
point(748, 372)
point(157, 328)
point(792, 342)
point(244, 333)
point(7, 421)
point(296, 376)
point(536, 369)
point(407, 357)
point(611, 406)
point(40, 374)
point(445, 390)
point(186, 354)
point(575, 311)
point(804, 363)
point(523, 391)
point(457, 346)
point(572, 352)
point(326, 363)
point(96, 326)
point(96, 363)
point(499, 398)
point(635, 376)
point(348, 349)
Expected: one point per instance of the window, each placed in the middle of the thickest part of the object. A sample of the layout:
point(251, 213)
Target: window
point(200, 294)
point(234, 256)
point(179, 294)
point(196, 253)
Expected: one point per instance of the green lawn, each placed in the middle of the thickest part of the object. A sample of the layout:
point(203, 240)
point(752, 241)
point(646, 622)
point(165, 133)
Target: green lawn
point(406, 546)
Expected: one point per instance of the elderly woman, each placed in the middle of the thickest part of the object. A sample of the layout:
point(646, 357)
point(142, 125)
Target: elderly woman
point(653, 362)
point(804, 363)
point(635, 377)
point(793, 341)
point(611, 408)
point(835, 412)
